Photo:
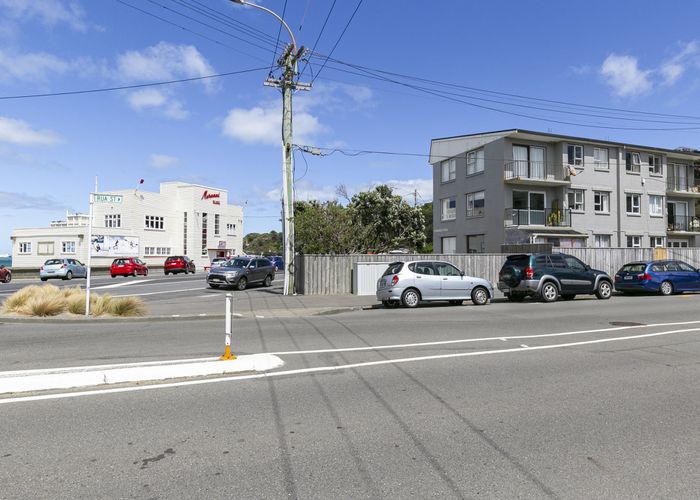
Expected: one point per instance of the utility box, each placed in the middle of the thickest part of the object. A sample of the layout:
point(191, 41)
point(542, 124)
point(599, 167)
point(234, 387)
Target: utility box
point(365, 276)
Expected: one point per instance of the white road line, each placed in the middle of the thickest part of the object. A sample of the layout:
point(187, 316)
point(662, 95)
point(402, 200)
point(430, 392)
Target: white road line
point(118, 285)
point(158, 293)
point(483, 339)
point(303, 371)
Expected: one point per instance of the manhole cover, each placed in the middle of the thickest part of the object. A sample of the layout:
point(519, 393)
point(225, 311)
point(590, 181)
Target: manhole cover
point(626, 323)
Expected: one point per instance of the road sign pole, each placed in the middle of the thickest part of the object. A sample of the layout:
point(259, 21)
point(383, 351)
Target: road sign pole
point(89, 257)
point(229, 317)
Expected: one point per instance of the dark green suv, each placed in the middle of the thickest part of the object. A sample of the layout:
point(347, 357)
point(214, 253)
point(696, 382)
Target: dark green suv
point(549, 276)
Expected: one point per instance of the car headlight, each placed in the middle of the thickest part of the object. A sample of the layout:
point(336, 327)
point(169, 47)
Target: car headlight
point(231, 274)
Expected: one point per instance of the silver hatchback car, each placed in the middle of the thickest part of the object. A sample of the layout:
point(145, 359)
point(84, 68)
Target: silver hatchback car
point(411, 282)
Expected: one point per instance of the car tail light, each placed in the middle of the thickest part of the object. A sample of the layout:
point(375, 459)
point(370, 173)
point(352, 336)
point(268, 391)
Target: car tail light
point(617, 277)
point(529, 273)
point(645, 276)
point(394, 280)
point(63, 266)
point(41, 268)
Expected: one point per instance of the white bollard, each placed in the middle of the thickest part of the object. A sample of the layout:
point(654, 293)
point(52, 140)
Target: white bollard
point(229, 317)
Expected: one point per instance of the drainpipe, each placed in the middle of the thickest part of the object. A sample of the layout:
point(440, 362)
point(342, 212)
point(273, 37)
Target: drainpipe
point(620, 193)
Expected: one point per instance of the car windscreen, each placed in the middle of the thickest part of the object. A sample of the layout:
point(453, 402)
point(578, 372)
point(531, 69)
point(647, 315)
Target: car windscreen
point(173, 258)
point(237, 263)
point(394, 268)
point(519, 261)
point(53, 262)
point(633, 268)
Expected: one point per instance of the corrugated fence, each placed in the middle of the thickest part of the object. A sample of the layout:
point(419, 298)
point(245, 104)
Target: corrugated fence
point(332, 274)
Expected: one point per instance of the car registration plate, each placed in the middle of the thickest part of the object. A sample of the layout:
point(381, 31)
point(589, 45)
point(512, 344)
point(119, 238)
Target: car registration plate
point(628, 277)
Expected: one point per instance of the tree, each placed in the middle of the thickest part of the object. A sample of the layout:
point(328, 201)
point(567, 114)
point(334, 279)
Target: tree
point(322, 227)
point(427, 210)
point(382, 221)
point(263, 243)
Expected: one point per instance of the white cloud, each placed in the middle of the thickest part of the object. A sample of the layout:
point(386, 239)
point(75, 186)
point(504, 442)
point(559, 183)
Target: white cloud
point(306, 190)
point(673, 69)
point(162, 161)
point(23, 201)
point(30, 66)
point(48, 12)
point(159, 100)
point(263, 124)
point(164, 61)
point(623, 74)
point(20, 132)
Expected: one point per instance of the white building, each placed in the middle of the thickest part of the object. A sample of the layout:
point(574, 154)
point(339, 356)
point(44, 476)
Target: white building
point(182, 219)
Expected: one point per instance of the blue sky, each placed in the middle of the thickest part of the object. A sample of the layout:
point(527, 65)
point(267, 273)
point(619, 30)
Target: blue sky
point(224, 132)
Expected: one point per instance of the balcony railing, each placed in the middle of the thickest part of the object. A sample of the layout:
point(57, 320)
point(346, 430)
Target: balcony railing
point(544, 217)
point(535, 170)
point(684, 223)
point(684, 185)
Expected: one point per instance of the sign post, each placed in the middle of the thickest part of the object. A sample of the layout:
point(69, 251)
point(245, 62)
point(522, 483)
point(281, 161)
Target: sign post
point(229, 316)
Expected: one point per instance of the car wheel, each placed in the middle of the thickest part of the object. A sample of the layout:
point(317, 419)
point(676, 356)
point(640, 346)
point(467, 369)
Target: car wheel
point(242, 283)
point(145, 273)
point(187, 271)
point(69, 275)
point(114, 276)
point(568, 296)
point(549, 292)
point(410, 298)
point(43, 279)
point(480, 296)
point(456, 302)
point(516, 297)
point(166, 273)
point(268, 281)
point(604, 290)
point(212, 285)
point(8, 277)
point(134, 274)
point(666, 288)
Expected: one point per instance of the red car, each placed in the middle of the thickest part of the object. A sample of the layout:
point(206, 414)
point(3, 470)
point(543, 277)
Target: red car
point(128, 266)
point(178, 264)
point(5, 274)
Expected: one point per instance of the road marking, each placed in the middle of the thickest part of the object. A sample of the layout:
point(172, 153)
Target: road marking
point(523, 345)
point(483, 339)
point(303, 371)
point(157, 293)
point(118, 285)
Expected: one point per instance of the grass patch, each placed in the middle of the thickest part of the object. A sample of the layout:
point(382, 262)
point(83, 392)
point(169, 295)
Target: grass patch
point(49, 300)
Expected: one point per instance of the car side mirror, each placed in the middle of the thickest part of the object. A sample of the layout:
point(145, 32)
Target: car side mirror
point(461, 273)
point(588, 268)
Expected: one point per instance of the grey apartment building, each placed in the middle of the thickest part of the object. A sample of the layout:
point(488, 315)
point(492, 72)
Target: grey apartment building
point(519, 186)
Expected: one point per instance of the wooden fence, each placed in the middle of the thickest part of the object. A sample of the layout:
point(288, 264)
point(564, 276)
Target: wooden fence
point(332, 274)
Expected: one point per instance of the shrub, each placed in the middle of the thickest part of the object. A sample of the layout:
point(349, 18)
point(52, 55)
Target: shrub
point(18, 300)
point(75, 304)
point(46, 304)
point(127, 306)
point(100, 304)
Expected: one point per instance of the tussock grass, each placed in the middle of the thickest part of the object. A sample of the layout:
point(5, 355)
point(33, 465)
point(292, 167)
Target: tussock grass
point(49, 300)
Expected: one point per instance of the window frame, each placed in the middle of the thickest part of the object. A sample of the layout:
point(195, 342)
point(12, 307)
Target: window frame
point(27, 247)
point(475, 158)
point(654, 169)
point(632, 167)
point(154, 222)
point(576, 192)
point(443, 213)
point(599, 165)
point(471, 212)
point(442, 243)
point(451, 164)
point(596, 240)
point(653, 244)
point(601, 195)
point(660, 205)
point(631, 237)
point(113, 220)
point(639, 204)
point(574, 161)
point(70, 244)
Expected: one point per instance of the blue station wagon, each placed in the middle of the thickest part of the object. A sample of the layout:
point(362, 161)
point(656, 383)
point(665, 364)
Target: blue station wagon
point(659, 276)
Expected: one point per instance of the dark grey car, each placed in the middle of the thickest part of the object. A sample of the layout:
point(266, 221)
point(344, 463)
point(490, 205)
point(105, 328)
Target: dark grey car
point(241, 271)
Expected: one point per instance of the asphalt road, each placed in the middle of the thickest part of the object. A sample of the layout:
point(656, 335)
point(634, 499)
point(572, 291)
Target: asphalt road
point(612, 413)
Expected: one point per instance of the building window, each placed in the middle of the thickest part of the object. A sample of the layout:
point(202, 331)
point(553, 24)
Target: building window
point(655, 167)
point(656, 204)
point(475, 204)
point(216, 224)
point(600, 158)
point(449, 244)
point(25, 247)
point(68, 247)
point(204, 233)
point(475, 161)
point(476, 243)
point(44, 248)
point(184, 233)
point(633, 162)
point(677, 244)
point(657, 241)
point(449, 170)
point(113, 220)
point(601, 202)
point(231, 229)
point(157, 251)
point(154, 222)
point(634, 242)
point(449, 209)
point(575, 155)
point(148, 251)
point(576, 199)
point(601, 240)
point(634, 204)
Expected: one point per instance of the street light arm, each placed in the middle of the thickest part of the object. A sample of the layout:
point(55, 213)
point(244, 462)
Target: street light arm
point(291, 35)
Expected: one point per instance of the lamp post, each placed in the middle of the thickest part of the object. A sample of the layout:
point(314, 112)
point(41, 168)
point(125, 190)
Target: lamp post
point(288, 64)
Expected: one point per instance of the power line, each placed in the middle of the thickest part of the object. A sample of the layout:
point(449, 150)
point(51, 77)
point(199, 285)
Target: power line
point(279, 32)
point(339, 39)
point(319, 36)
point(127, 87)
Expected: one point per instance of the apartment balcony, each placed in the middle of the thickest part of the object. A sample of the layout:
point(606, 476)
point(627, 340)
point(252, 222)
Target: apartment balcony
point(683, 224)
point(539, 218)
point(536, 173)
point(682, 188)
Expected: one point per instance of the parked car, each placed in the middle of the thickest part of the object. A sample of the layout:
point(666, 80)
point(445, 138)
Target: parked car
point(62, 268)
point(277, 261)
point(241, 271)
point(128, 266)
point(5, 274)
point(659, 276)
point(551, 276)
point(411, 282)
point(178, 264)
point(217, 261)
